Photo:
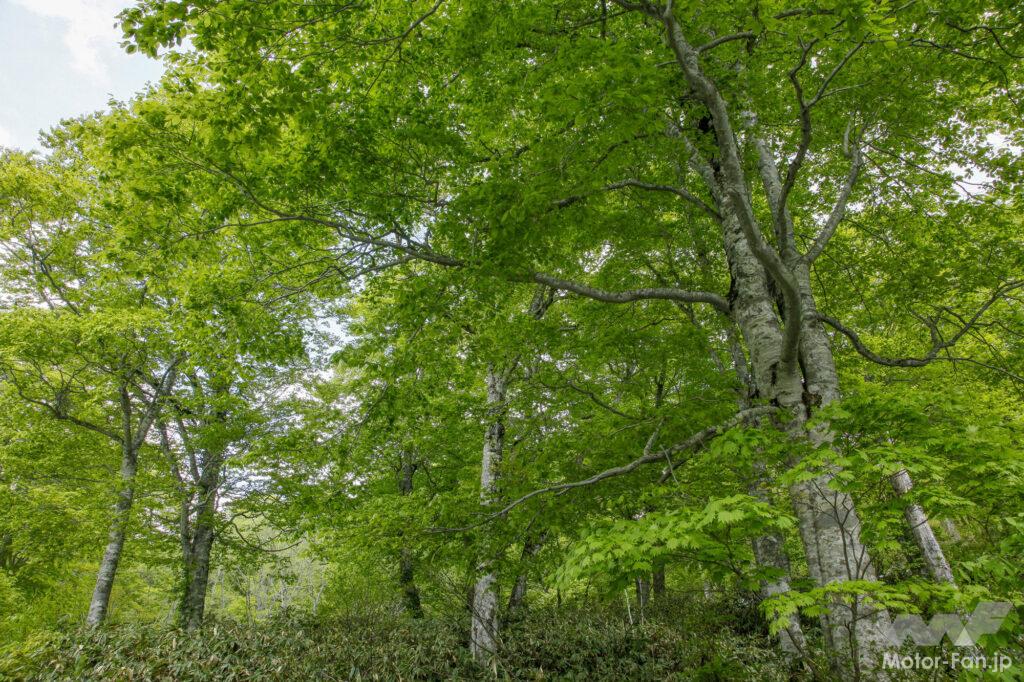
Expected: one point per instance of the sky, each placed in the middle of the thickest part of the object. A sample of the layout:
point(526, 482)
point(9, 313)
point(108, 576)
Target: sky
point(60, 59)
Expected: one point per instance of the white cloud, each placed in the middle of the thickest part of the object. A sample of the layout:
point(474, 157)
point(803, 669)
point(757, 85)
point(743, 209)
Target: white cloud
point(6, 139)
point(91, 32)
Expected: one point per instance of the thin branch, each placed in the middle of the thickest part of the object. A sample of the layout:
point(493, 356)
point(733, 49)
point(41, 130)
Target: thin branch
point(663, 293)
point(839, 210)
point(692, 443)
point(679, 191)
point(938, 343)
point(744, 35)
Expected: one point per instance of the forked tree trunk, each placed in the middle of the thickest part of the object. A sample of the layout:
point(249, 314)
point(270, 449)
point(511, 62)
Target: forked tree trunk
point(829, 526)
point(828, 523)
point(100, 602)
point(197, 560)
point(131, 440)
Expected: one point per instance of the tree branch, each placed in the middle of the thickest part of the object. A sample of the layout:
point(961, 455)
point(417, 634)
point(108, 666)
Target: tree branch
point(679, 191)
point(692, 443)
point(744, 35)
point(663, 293)
point(839, 210)
point(938, 343)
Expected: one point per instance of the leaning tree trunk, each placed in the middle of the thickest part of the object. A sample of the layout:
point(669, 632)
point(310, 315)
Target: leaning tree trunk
point(931, 550)
point(115, 538)
point(131, 441)
point(518, 597)
point(483, 639)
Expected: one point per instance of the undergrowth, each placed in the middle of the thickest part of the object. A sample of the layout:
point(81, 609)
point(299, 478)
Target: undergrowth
point(570, 643)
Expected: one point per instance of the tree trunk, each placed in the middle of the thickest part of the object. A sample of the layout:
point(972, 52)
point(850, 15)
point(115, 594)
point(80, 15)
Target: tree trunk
point(658, 581)
point(197, 557)
point(768, 552)
point(856, 629)
point(827, 521)
point(195, 596)
point(131, 441)
point(115, 538)
point(925, 538)
point(949, 526)
point(643, 593)
point(406, 568)
point(483, 638)
point(518, 596)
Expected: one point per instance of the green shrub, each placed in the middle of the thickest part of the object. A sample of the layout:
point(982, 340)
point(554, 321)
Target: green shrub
point(571, 643)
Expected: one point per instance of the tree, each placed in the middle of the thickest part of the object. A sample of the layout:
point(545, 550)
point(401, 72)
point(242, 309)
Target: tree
point(753, 132)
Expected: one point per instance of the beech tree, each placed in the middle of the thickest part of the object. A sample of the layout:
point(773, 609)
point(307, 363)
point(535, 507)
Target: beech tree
point(552, 143)
point(625, 293)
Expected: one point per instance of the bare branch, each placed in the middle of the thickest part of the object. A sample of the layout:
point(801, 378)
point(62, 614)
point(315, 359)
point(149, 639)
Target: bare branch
point(938, 343)
point(839, 210)
point(663, 293)
point(692, 443)
point(744, 35)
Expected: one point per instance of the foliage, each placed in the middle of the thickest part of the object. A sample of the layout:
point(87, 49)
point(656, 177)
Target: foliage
point(548, 644)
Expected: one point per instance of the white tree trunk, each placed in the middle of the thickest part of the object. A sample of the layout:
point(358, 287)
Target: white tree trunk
point(828, 524)
point(131, 441)
point(483, 639)
point(100, 602)
point(925, 538)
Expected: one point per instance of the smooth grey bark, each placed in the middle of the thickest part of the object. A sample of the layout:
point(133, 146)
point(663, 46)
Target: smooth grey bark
point(792, 361)
point(483, 639)
point(643, 595)
point(828, 525)
point(100, 602)
point(789, 352)
point(917, 520)
point(856, 629)
point(769, 550)
point(131, 439)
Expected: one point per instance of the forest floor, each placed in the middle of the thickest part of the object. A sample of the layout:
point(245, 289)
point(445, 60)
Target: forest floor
point(674, 640)
point(677, 639)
